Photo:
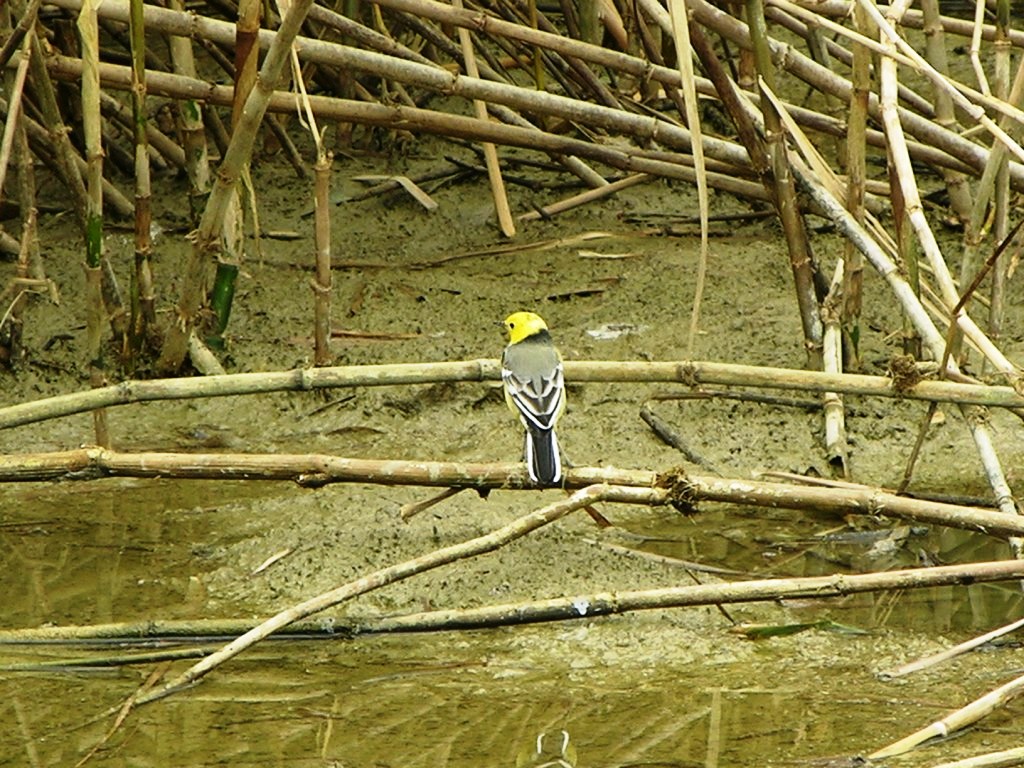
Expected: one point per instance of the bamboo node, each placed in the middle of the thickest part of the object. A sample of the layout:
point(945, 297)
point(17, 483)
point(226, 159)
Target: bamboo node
point(681, 491)
point(687, 374)
point(904, 373)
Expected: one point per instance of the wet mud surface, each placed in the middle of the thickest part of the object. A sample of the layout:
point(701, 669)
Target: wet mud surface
point(655, 687)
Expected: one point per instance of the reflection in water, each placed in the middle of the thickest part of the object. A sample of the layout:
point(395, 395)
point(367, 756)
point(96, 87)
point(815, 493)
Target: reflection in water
point(630, 690)
point(552, 750)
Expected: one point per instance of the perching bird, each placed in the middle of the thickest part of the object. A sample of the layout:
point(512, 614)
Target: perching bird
point(534, 387)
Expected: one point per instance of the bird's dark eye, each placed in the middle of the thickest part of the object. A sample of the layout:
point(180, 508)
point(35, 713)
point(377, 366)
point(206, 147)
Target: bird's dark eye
point(511, 325)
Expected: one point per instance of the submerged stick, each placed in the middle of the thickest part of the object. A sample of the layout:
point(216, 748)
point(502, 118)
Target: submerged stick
point(955, 721)
point(536, 611)
point(952, 653)
point(689, 373)
point(389, 575)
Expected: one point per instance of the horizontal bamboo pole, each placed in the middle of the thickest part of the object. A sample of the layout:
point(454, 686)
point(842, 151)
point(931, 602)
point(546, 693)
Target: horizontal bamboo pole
point(315, 470)
point(534, 611)
point(689, 373)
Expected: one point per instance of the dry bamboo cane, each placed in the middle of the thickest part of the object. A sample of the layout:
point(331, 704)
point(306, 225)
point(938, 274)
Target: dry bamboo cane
point(856, 169)
point(836, 448)
point(952, 653)
point(206, 237)
point(505, 220)
point(197, 164)
point(389, 575)
point(512, 614)
point(322, 284)
point(625, 158)
point(955, 721)
point(968, 153)
point(14, 109)
point(316, 470)
point(687, 373)
point(143, 297)
point(915, 212)
point(95, 310)
point(935, 50)
point(1001, 85)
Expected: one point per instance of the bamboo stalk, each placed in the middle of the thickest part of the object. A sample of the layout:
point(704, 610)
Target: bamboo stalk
point(505, 220)
point(935, 50)
point(322, 284)
point(856, 169)
point(316, 470)
point(196, 160)
point(955, 721)
point(952, 653)
point(207, 237)
point(583, 198)
point(836, 448)
point(143, 297)
point(971, 155)
point(529, 612)
point(95, 309)
point(688, 373)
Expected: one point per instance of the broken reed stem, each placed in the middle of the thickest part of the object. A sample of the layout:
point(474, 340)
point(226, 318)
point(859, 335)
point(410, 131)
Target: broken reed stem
point(533, 611)
point(836, 448)
point(952, 653)
point(801, 258)
point(190, 119)
point(321, 285)
point(389, 575)
point(691, 374)
point(143, 297)
point(955, 721)
point(851, 295)
point(679, 26)
point(316, 470)
point(505, 220)
point(207, 235)
point(88, 30)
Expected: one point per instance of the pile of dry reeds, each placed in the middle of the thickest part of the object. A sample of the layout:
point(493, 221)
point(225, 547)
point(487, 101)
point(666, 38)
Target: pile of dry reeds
point(559, 80)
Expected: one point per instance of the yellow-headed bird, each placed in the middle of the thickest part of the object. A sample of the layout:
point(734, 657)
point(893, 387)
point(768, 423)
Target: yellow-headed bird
point(534, 387)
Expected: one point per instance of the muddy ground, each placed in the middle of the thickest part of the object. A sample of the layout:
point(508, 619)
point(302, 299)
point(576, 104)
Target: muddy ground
point(422, 287)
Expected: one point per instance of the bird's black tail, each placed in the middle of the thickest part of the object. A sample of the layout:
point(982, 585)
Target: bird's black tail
point(542, 457)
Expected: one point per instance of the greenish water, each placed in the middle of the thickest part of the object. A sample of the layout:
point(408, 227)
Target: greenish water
point(628, 690)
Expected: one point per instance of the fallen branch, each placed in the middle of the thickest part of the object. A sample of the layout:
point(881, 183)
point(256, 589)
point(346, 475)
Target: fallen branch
point(952, 653)
point(955, 721)
point(472, 548)
point(534, 611)
point(315, 470)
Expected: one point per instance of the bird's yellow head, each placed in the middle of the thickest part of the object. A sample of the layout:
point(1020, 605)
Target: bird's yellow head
point(520, 325)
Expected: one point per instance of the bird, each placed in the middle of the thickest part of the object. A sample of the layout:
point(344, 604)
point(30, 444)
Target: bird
point(531, 369)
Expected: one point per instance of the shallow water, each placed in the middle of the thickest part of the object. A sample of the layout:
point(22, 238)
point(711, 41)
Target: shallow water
point(628, 690)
